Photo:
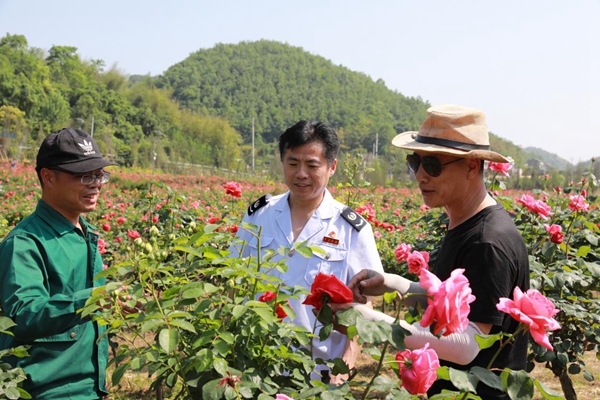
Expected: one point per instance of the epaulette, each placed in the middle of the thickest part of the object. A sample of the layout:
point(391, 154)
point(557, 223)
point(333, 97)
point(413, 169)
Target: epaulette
point(258, 204)
point(353, 218)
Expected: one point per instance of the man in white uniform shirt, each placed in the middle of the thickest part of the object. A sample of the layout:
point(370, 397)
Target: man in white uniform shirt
point(308, 212)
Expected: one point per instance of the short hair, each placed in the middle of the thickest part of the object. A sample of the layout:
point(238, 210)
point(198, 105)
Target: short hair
point(304, 132)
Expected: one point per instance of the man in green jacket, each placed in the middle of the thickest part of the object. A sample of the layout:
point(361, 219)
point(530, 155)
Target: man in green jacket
point(47, 268)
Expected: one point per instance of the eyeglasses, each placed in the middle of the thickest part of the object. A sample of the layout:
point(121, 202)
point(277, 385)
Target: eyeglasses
point(88, 179)
point(430, 164)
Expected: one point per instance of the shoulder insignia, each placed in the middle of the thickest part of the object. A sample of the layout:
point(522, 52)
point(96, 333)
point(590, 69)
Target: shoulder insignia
point(353, 218)
point(259, 204)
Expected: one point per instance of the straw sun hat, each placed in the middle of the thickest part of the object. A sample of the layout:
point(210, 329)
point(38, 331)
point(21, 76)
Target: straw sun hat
point(453, 130)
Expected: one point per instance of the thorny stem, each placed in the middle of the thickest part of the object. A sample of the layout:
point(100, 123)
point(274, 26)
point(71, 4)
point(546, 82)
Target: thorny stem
point(379, 365)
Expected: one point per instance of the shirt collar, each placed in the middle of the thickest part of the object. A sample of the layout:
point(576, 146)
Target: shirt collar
point(57, 221)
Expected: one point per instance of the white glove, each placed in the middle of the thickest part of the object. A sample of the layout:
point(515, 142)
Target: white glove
point(460, 348)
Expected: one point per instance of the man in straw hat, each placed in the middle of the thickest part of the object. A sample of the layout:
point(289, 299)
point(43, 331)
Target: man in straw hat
point(48, 264)
point(447, 161)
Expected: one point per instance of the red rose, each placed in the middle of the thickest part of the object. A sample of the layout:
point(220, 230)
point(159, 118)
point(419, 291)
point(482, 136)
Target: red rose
point(106, 227)
point(280, 312)
point(267, 297)
point(234, 189)
point(133, 234)
point(327, 289)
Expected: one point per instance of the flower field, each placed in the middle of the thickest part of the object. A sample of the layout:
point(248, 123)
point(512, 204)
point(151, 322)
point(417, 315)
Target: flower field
point(166, 239)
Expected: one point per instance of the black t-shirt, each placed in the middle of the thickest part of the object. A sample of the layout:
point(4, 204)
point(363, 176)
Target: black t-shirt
point(491, 250)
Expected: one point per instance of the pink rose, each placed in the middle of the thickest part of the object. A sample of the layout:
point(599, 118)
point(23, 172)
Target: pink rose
point(503, 168)
point(448, 306)
point(578, 203)
point(424, 207)
point(417, 260)
point(527, 201)
point(402, 252)
point(283, 397)
point(101, 246)
point(555, 231)
point(543, 209)
point(534, 310)
point(417, 369)
point(121, 220)
point(234, 189)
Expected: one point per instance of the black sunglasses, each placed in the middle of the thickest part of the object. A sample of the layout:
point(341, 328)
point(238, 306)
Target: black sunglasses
point(430, 164)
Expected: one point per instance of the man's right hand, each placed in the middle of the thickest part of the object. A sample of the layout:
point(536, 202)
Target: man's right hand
point(372, 283)
point(367, 283)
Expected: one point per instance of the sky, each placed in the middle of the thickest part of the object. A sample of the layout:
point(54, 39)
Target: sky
point(533, 66)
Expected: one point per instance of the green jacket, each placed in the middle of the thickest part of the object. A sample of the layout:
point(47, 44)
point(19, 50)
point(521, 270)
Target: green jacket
point(47, 267)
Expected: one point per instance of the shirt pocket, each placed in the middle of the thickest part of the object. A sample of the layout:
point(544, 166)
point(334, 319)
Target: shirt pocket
point(332, 262)
point(70, 335)
point(265, 242)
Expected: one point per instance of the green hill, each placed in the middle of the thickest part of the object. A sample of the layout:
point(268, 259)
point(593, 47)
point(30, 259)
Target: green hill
point(278, 84)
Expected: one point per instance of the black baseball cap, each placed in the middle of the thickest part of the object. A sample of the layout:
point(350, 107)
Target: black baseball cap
point(70, 149)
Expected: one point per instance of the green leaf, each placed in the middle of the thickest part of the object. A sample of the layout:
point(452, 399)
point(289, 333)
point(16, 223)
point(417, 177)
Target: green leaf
point(183, 324)
point(192, 293)
point(487, 341)
point(220, 366)
point(487, 377)
point(227, 337)
point(266, 314)
point(168, 340)
point(6, 323)
point(151, 324)
point(305, 251)
point(463, 380)
point(583, 251)
point(593, 267)
point(373, 332)
point(203, 360)
point(211, 390)
point(519, 385)
point(383, 384)
point(190, 250)
point(325, 331)
point(221, 347)
point(238, 311)
point(347, 317)
point(547, 392)
point(593, 239)
point(118, 373)
point(390, 296)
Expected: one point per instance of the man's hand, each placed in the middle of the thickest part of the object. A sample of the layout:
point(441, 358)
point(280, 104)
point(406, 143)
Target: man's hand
point(367, 283)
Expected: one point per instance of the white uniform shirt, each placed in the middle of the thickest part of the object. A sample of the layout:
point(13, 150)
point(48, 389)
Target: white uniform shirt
point(355, 251)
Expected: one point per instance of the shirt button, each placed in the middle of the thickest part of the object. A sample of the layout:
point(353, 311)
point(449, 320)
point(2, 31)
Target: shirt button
point(327, 256)
point(72, 335)
point(291, 253)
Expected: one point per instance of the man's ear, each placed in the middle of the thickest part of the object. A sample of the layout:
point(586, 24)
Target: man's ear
point(48, 176)
point(333, 167)
point(474, 166)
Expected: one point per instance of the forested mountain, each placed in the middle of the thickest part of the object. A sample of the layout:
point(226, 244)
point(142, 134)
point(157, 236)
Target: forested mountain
point(200, 111)
point(550, 159)
point(278, 84)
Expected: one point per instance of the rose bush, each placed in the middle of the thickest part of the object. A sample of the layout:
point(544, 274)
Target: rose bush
point(190, 331)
